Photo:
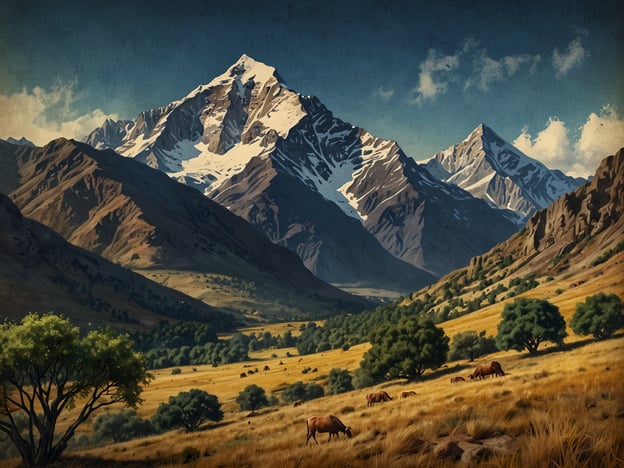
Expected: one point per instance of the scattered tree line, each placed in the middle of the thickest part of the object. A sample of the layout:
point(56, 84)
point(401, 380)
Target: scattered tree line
point(46, 366)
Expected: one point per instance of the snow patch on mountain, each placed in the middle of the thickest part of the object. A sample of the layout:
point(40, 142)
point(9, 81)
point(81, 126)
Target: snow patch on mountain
point(494, 170)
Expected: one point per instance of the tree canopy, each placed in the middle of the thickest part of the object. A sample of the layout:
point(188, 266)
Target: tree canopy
point(470, 345)
point(121, 426)
point(406, 349)
point(529, 322)
point(45, 367)
point(252, 398)
point(188, 410)
point(600, 316)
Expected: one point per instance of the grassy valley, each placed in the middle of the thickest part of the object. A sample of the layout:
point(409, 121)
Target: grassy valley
point(562, 406)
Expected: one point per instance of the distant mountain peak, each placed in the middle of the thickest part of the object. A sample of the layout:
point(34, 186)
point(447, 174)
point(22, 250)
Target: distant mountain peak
point(492, 169)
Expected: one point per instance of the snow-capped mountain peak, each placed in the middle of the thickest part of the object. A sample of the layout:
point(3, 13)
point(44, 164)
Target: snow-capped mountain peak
point(490, 168)
point(355, 207)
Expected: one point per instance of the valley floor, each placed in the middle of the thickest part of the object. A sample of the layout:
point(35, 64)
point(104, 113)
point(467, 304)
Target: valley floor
point(560, 408)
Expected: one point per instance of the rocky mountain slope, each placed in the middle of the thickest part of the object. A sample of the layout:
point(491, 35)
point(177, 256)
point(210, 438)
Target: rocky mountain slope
point(41, 272)
point(141, 219)
point(578, 241)
point(348, 203)
point(494, 170)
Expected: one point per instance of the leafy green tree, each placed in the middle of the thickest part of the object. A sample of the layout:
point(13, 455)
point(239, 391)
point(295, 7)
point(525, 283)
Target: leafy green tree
point(527, 323)
point(121, 426)
point(470, 345)
point(313, 390)
point(600, 315)
point(301, 391)
point(339, 381)
point(294, 392)
point(252, 398)
point(46, 368)
point(188, 410)
point(406, 349)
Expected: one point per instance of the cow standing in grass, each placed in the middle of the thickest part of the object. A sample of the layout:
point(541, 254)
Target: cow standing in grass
point(491, 368)
point(330, 424)
point(377, 397)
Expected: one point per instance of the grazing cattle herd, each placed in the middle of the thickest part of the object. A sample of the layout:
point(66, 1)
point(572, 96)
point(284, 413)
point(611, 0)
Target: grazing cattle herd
point(334, 426)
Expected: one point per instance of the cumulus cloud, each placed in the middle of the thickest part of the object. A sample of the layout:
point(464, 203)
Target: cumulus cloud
point(575, 55)
point(433, 76)
point(41, 115)
point(600, 136)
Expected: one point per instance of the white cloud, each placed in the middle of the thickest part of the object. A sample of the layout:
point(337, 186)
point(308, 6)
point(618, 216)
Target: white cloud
point(600, 136)
point(433, 76)
point(488, 70)
point(41, 115)
point(384, 94)
point(565, 61)
point(551, 145)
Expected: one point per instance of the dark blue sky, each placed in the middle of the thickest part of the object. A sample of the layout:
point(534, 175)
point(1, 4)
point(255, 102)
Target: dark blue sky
point(424, 74)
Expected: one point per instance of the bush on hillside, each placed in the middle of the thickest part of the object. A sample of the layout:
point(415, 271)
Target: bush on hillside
point(188, 410)
point(252, 398)
point(339, 381)
point(600, 316)
point(470, 345)
point(121, 426)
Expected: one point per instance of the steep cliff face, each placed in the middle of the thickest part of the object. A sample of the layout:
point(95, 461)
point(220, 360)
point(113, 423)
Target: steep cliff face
point(594, 209)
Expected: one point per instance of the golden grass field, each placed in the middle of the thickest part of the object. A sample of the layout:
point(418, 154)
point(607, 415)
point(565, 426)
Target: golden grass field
point(561, 408)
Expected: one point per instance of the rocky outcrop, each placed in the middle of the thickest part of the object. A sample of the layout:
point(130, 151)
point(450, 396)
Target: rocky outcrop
point(584, 213)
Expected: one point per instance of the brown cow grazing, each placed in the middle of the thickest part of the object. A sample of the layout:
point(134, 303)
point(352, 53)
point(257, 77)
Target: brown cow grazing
point(330, 424)
point(457, 379)
point(407, 394)
point(297, 403)
point(266, 368)
point(490, 368)
point(377, 397)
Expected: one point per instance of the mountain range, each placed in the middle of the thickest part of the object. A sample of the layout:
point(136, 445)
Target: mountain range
point(355, 208)
point(576, 242)
point(41, 272)
point(140, 219)
point(494, 170)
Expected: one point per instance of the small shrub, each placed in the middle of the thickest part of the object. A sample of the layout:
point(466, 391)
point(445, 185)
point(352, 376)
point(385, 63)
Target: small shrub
point(176, 371)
